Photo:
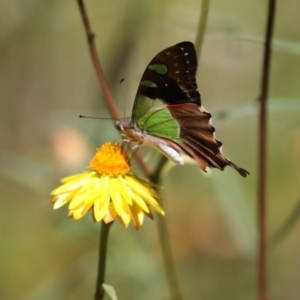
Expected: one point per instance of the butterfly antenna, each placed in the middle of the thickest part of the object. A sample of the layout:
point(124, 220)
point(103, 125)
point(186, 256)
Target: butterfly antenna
point(97, 118)
point(124, 97)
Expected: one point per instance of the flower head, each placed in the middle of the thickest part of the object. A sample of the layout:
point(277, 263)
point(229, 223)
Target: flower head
point(108, 189)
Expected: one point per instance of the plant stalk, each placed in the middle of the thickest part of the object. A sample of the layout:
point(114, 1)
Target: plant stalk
point(104, 231)
point(110, 103)
point(262, 186)
point(201, 26)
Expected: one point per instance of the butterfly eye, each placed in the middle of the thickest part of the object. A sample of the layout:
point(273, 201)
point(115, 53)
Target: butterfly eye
point(119, 125)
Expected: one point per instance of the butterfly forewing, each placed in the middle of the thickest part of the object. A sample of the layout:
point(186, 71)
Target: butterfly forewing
point(170, 77)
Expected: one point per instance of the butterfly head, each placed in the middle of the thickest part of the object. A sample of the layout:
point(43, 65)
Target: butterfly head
point(129, 132)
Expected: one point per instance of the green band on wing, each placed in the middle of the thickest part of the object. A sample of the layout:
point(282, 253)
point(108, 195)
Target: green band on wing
point(161, 124)
point(149, 83)
point(159, 68)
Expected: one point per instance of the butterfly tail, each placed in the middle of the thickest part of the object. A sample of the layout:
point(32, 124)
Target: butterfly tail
point(205, 158)
point(198, 137)
point(242, 171)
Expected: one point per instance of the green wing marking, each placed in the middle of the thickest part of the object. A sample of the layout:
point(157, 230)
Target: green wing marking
point(148, 83)
point(161, 124)
point(143, 104)
point(159, 68)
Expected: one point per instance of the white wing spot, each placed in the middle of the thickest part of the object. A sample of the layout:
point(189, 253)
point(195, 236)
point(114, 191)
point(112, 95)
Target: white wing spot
point(171, 153)
point(186, 53)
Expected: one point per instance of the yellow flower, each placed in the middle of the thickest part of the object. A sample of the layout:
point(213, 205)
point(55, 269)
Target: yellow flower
point(108, 189)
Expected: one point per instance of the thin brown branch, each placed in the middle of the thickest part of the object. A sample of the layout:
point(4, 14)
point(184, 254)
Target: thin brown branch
point(96, 62)
point(262, 207)
point(110, 103)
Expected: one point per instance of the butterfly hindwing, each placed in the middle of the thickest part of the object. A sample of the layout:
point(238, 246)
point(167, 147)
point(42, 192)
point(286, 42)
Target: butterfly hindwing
point(198, 136)
point(162, 124)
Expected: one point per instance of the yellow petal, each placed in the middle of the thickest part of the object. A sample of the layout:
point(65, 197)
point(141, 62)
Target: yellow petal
point(69, 186)
point(89, 185)
point(101, 206)
point(77, 213)
point(87, 207)
point(119, 204)
point(102, 202)
point(139, 201)
point(78, 200)
point(61, 200)
point(124, 190)
point(139, 191)
point(94, 195)
point(137, 216)
point(78, 177)
point(110, 214)
point(117, 201)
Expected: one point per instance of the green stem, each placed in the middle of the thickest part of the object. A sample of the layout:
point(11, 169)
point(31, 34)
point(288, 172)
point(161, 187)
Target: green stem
point(169, 261)
point(162, 221)
point(262, 183)
point(286, 227)
point(201, 26)
point(165, 243)
point(102, 260)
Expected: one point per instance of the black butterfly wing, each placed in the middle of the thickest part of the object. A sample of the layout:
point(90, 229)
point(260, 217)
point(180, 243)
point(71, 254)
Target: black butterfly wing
point(169, 77)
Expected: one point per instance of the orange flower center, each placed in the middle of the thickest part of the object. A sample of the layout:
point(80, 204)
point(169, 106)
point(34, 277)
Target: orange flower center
point(110, 159)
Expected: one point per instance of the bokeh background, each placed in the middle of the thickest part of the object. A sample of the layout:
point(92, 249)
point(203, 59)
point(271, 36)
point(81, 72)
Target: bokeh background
point(47, 80)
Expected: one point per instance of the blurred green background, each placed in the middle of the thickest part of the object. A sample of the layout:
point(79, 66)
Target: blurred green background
point(47, 80)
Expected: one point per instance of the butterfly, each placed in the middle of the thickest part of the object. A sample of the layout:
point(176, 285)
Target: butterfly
point(168, 115)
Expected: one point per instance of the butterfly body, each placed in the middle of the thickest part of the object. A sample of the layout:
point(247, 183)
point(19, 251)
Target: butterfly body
point(144, 138)
point(167, 113)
